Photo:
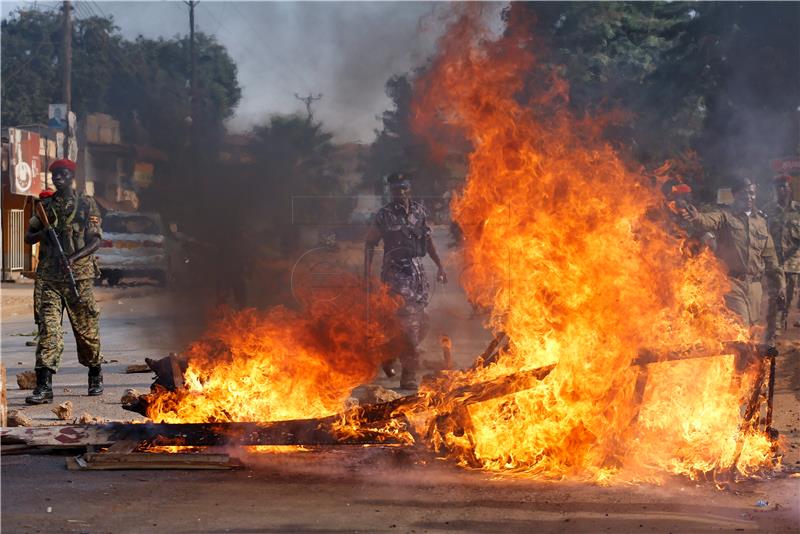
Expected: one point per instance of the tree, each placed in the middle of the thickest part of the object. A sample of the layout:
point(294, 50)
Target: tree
point(143, 83)
point(399, 148)
point(720, 79)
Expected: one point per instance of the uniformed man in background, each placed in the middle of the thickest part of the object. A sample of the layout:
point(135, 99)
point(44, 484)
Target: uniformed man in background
point(746, 249)
point(783, 218)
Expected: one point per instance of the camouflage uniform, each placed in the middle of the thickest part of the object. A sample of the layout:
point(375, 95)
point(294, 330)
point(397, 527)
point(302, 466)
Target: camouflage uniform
point(405, 239)
point(37, 298)
point(745, 247)
point(70, 215)
point(784, 225)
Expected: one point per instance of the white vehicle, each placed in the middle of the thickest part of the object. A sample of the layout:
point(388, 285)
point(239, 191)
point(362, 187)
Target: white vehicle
point(133, 246)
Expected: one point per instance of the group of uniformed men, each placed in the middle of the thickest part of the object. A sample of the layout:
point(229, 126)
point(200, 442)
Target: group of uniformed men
point(753, 245)
point(750, 244)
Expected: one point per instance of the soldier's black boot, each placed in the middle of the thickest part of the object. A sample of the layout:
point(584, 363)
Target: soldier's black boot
point(43, 392)
point(95, 381)
point(408, 379)
point(388, 368)
point(408, 374)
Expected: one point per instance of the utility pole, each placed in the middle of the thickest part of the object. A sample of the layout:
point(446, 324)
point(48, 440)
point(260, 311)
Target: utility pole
point(308, 100)
point(192, 62)
point(66, 74)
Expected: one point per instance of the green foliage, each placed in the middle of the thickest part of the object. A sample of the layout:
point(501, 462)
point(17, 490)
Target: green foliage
point(720, 79)
point(397, 148)
point(143, 83)
point(30, 78)
point(297, 153)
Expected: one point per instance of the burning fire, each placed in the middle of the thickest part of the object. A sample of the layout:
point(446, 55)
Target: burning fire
point(580, 270)
point(579, 273)
point(283, 364)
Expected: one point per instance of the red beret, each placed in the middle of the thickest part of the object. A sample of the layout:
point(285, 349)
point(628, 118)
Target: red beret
point(681, 189)
point(45, 194)
point(62, 164)
point(782, 178)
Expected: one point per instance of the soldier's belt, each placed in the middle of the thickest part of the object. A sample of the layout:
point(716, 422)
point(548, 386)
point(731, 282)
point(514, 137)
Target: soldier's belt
point(742, 277)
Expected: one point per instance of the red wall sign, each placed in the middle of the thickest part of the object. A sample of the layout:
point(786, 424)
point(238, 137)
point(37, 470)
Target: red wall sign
point(25, 170)
point(785, 165)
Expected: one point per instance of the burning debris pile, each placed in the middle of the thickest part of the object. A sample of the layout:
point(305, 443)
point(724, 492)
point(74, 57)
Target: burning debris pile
point(618, 359)
point(280, 364)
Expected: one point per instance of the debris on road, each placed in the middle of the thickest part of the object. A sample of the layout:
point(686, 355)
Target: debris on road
point(138, 368)
point(63, 411)
point(88, 419)
point(374, 394)
point(26, 379)
point(102, 461)
point(17, 418)
point(130, 396)
point(3, 397)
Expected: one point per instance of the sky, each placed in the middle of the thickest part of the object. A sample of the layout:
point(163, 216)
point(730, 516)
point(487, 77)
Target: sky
point(343, 50)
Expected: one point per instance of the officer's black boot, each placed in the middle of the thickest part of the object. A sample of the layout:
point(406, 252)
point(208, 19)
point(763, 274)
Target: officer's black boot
point(95, 381)
point(43, 392)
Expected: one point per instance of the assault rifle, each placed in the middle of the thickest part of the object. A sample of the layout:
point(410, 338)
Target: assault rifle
point(63, 261)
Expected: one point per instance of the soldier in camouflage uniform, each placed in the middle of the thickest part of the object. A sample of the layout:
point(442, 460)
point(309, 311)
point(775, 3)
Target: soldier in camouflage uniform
point(745, 247)
point(76, 220)
point(37, 288)
point(783, 217)
point(402, 226)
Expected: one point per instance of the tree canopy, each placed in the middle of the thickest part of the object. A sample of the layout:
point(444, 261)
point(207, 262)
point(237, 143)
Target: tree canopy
point(142, 82)
point(714, 83)
point(719, 79)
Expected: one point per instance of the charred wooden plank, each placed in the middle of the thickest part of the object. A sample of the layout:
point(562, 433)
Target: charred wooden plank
point(498, 345)
point(169, 370)
point(297, 432)
point(105, 461)
point(3, 398)
point(138, 368)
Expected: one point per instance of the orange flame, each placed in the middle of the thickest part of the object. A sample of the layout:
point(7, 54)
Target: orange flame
point(578, 271)
point(581, 273)
point(283, 364)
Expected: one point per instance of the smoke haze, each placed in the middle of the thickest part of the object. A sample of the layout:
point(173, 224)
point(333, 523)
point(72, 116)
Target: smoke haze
point(344, 50)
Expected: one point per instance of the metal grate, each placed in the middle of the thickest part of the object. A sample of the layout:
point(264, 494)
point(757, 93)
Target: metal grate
point(15, 259)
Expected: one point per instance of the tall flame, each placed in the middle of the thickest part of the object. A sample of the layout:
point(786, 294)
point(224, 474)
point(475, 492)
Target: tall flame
point(579, 270)
point(569, 249)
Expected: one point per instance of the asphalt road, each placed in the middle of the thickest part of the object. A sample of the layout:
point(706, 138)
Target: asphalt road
point(341, 489)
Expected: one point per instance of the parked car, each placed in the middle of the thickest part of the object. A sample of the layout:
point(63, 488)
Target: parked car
point(133, 246)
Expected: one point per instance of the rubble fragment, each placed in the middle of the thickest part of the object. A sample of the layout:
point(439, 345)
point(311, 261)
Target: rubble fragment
point(374, 394)
point(26, 379)
point(88, 419)
point(63, 411)
point(17, 418)
point(130, 396)
point(138, 368)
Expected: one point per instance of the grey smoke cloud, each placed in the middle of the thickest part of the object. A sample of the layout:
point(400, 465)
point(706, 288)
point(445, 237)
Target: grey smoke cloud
point(344, 50)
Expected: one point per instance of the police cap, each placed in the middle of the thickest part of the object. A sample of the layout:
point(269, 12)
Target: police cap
point(399, 180)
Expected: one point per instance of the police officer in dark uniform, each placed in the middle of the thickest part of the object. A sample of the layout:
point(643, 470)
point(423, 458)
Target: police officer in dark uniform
point(402, 226)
